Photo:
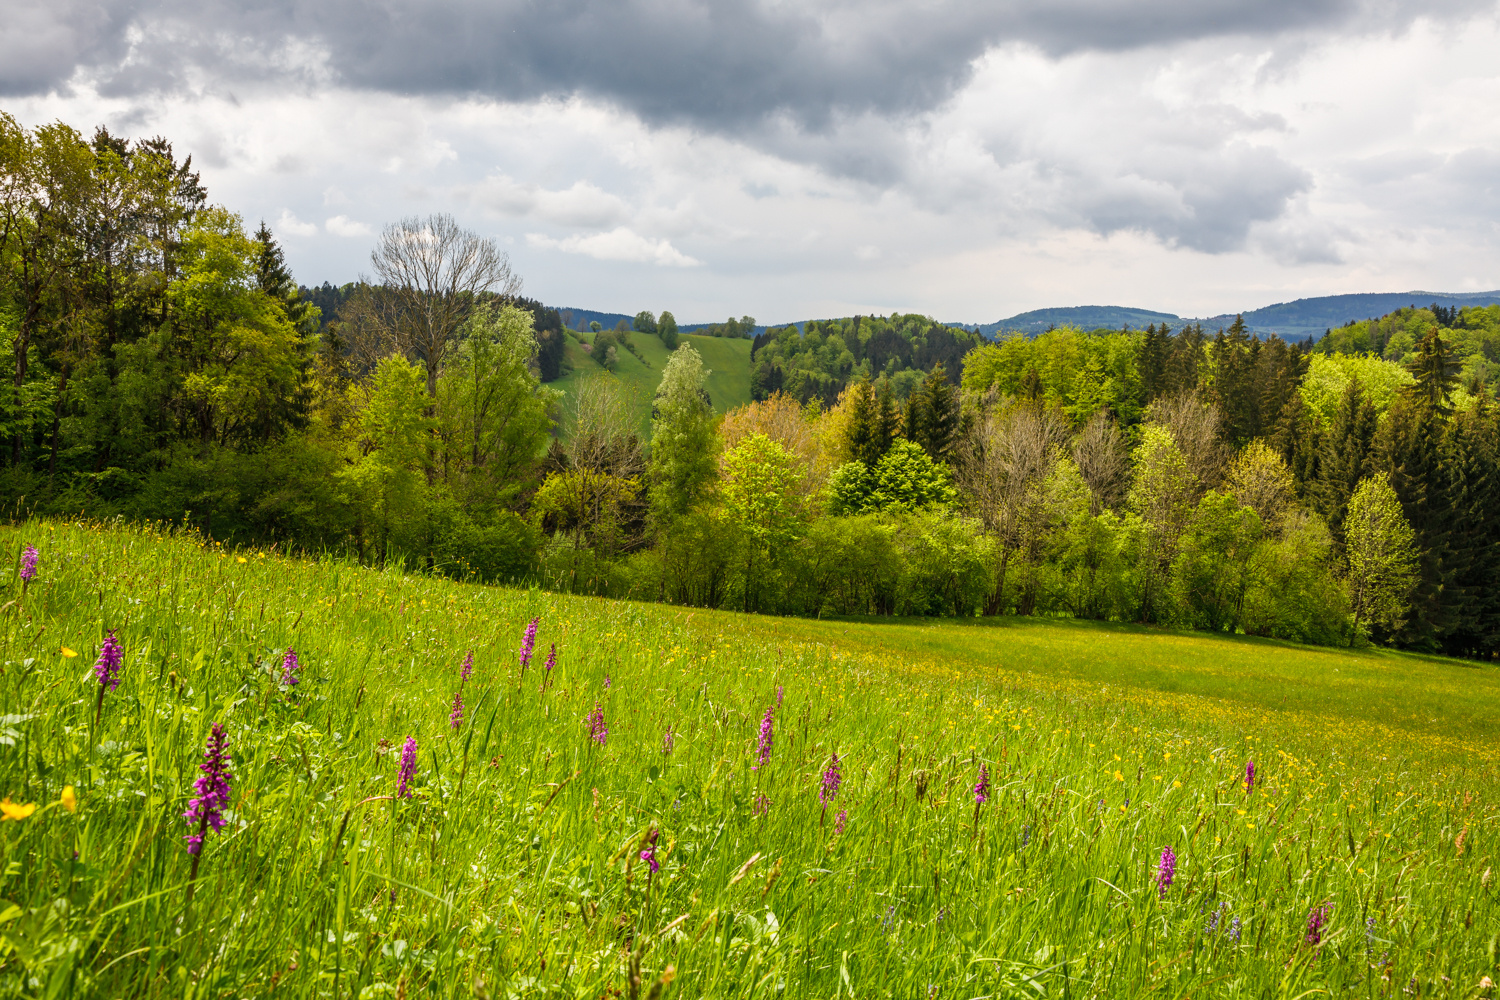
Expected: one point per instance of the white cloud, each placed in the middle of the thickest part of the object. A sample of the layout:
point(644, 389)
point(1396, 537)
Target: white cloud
point(618, 244)
point(342, 225)
point(583, 204)
point(290, 225)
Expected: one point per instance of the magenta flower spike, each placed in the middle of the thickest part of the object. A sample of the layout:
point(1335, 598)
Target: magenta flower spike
point(107, 667)
point(408, 768)
point(467, 668)
point(1316, 921)
point(289, 668)
point(598, 729)
point(528, 643)
point(28, 564)
point(456, 717)
point(649, 854)
point(841, 821)
point(982, 789)
point(206, 810)
point(1249, 776)
point(779, 692)
point(832, 778)
point(763, 747)
point(1166, 870)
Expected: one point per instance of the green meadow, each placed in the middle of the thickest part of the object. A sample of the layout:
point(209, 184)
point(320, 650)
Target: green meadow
point(728, 383)
point(695, 804)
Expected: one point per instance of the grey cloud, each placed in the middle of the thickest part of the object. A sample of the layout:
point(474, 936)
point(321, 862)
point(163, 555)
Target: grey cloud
point(717, 64)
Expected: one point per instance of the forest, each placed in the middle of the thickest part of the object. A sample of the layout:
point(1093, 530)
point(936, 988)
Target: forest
point(164, 365)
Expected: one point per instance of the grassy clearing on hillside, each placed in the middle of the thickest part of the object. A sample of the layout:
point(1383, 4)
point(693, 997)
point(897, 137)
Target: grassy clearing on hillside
point(516, 867)
point(728, 383)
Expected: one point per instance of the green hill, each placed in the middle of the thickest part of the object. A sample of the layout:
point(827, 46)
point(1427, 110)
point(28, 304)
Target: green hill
point(727, 360)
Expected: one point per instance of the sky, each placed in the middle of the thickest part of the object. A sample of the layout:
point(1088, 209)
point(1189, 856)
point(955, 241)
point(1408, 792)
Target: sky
point(793, 160)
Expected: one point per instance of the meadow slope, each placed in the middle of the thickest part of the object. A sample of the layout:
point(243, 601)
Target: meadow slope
point(708, 804)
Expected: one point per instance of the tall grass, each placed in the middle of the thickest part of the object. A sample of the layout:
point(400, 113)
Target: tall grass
point(515, 867)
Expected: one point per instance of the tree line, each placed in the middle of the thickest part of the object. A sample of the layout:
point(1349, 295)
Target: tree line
point(163, 364)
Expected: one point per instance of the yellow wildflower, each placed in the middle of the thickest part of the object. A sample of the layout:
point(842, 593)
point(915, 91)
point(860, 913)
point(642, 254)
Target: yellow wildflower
point(14, 810)
point(69, 800)
point(67, 652)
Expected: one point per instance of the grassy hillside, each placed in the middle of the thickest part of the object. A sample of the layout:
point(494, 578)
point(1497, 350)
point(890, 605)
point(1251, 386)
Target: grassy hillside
point(728, 385)
point(710, 804)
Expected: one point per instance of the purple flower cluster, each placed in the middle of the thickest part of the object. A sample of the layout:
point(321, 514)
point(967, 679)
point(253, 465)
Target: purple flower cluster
point(840, 821)
point(528, 643)
point(779, 692)
point(408, 768)
point(668, 741)
point(467, 668)
point(1166, 870)
point(649, 854)
point(456, 717)
point(289, 668)
point(205, 810)
point(111, 656)
point(598, 730)
point(763, 748)
point(761, 806)
point(982, 789)
point(831, 781)
point(1316, 921)
point(551, 658)
point(28, 564)
point(1249, 776)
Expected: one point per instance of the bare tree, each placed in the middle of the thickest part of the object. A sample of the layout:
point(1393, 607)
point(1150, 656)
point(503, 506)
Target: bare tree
point(1194, 425)
point(430, 273)
point(1002, 465)
point(1103, 461)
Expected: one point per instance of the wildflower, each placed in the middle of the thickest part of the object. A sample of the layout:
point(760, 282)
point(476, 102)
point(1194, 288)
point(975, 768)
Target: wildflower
point(1166, 870)
point(606, 682)
point(1234, 930)
point(289, 668)
point(205, 810)
point(761, 806)
point(467, 669)
point(1486, 983)
point(982, 790)
point(28, 564)
point(763, 749)
point(1249, 776)
point(1369, 938)
point(408, 768)
point(779, 692)
point(649, 854)
point(668, 740)
point(107, 667)
point(15, 810)
point(831, 780)
point(841, 821)
point(528, 643)
point(456, 717)
point(1315, 923)
point(1025, 836)
point(69, 799)
point(551, 662)
point(598, 729)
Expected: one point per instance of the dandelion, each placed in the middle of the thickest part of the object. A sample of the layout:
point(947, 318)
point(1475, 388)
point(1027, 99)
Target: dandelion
point(763, 749)
point(1316, 920)
point(289, 668)
point(1249, 776)
point(206, 810)
point(649, 854)
point(528, 643)
point(831, 781)
point(408, 768)
point(598, 729)
point(28, 565)
point(841, 821)
point(467, 669)
point(1166, 870)
point(456, 717)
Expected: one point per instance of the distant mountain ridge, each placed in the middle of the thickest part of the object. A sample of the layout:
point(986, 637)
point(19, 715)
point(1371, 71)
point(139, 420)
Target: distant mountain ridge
point(1292, 320)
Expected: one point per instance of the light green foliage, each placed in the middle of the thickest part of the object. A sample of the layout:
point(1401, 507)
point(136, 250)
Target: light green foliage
point(761, 490)
point(683, 443)
point(387, 479)
point(1214, 566)
point(905, 479)
point(1162, 496)
point(1080, 372)
point(514, 867)
point(491, 407)
point(1329, 376)
point(1382, 556)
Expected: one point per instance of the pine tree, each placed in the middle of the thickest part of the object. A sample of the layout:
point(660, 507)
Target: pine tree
point(275, 280)
point(859, 432)
point(1346, 456)
point(1151, 362)
point(938, 429)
